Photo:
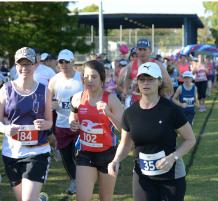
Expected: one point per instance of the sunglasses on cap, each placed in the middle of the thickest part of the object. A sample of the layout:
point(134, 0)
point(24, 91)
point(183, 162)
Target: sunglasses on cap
point(61, 61)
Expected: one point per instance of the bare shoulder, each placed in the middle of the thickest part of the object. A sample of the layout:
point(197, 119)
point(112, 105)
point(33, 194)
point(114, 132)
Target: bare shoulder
point(3, 93)
point(114, 101)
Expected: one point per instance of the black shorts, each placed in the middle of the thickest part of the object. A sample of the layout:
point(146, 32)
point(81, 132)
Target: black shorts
point(99, 160)
point(201, 88)
point(34, 168)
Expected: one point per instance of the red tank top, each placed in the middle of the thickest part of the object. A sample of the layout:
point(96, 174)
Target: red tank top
point(182, 68)
point(96, 131)
point(134, 68)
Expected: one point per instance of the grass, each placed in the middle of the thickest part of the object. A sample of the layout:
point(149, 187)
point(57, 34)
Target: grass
point(202, 180)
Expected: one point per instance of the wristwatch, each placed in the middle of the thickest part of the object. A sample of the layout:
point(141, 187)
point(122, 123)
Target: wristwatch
point(175, 156)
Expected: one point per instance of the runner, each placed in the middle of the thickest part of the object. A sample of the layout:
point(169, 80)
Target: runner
point(187, 95)
point(143, 49)
point(42, 73)
point(182, 66)
point(25, 113)
point(63, 86)
point(152, 125)
point(200, 70)
point(95, 113)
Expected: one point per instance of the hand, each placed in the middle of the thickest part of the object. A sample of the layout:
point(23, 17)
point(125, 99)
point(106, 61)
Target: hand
point(55, 105)
point(11, 130)
point(52, 141)
point(42, 124)
point(166, 163)
point(113, 168)
point(184, 105)
point(123, 96)
point(104, 107)
point(74, 125)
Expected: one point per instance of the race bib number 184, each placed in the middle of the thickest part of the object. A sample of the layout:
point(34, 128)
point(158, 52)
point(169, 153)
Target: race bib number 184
point(27, 135)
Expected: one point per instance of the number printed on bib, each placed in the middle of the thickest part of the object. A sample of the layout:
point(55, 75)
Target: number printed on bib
point(148, 163)
point(91, 134)
point(27, 135)
point(65, 105)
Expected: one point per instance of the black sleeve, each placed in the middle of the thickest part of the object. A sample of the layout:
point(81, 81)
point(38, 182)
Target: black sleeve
point(73, 109)
point(179, 118)
point(125, 123)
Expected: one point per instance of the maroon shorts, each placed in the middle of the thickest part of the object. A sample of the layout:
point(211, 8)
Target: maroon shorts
point(64, 137)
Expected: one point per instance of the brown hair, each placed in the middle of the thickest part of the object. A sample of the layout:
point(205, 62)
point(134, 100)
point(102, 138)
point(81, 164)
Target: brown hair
point(98, 66)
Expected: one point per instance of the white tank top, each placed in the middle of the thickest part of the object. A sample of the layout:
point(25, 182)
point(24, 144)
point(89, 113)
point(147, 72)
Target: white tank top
point(64, 89)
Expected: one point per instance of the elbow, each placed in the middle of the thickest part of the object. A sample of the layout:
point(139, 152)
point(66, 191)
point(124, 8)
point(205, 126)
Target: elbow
point(193, 142)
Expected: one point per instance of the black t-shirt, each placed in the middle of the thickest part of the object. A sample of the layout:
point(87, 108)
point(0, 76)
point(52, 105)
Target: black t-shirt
point(154, 130)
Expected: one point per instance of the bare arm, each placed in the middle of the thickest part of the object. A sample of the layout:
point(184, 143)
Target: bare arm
point(114, 110)
point(122, 152)
point(9, 130)
point(127, 79)
point(176, 96)
point(189, 141)
point(196, 97)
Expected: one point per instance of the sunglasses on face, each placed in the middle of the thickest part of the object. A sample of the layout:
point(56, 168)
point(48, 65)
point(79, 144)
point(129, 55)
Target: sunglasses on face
point(141, 49)
point(61, 61)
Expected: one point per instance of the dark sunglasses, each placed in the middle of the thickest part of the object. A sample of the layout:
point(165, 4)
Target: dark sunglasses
point(141, 49)
point(61, 61)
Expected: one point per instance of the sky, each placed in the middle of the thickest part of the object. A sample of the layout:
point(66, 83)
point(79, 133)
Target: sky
point(147, 6)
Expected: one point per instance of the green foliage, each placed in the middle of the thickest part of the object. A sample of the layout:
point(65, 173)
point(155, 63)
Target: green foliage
point(91, 8)
point(46, 26)
point(212, 10)
point(205, 35)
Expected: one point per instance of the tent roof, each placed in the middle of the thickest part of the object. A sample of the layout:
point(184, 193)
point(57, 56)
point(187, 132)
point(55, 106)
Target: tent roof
point(140, 20)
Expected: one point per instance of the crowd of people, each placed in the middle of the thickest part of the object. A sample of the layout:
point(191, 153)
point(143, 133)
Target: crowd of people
point(50, 104)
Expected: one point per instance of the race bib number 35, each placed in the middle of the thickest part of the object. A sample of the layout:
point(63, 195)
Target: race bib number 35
point(148, 163)
point(27, 135)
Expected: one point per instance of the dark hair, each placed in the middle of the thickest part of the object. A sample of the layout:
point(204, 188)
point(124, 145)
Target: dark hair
point(98, 66)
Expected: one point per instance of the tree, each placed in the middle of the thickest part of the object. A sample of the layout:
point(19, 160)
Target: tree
point(91, 8)
point(45, 26)
point(204, 34)
point(212, 10)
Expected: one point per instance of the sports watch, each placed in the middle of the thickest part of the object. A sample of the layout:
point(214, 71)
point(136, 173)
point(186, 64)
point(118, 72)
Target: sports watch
point(175, 156)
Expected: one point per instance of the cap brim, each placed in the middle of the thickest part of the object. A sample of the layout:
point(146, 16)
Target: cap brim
point(150, 74)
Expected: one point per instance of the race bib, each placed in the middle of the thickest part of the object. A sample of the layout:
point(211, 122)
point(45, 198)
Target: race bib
point(65, 105)
point(190, 101)
point(148, 163)
point(27, 135)
point(91, 134)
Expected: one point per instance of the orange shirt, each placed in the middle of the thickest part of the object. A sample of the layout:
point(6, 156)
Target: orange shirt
point(182, 68)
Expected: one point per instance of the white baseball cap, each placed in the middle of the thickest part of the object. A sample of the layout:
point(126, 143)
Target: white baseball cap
point(150, 68)
point(188, 74)
point(25, 53)
point(44, 56)
point(66, 55)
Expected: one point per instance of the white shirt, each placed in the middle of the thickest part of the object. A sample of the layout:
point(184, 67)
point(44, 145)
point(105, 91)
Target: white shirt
point(43, 74)
point(64, 89)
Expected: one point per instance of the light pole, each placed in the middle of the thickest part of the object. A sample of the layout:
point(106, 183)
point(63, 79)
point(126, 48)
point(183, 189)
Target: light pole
point(101, 28)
